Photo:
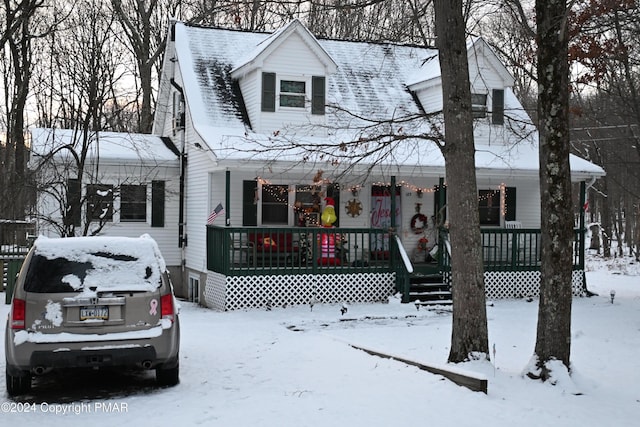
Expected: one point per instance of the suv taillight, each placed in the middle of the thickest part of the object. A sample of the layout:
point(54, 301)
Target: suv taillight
point(18, 313)
point(166, 307)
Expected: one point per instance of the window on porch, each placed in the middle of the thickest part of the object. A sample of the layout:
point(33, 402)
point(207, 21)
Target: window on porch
point(489, 207)
point(307, 205)
point(275, 204)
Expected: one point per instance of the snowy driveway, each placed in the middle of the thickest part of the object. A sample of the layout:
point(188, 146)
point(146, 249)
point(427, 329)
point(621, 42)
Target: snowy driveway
point(294, 367)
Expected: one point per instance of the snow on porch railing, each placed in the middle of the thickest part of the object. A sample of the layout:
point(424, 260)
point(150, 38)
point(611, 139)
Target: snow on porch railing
point(513, 249)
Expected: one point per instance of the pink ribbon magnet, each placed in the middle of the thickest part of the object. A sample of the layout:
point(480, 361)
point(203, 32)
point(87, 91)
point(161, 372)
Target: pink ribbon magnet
point(154, 307)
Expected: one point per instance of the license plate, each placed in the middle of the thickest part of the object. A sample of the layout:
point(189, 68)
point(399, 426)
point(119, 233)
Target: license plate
point(94, 312)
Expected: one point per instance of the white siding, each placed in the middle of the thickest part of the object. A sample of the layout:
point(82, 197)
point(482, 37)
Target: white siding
point(196, 203)
point(251, 88)
point(166, 237)
point(527, 197)
point(293, 60)
point(430, 98)
point(527, 202)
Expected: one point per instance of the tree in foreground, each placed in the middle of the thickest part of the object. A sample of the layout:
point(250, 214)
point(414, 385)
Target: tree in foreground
point(469, 338)
point(553, 340)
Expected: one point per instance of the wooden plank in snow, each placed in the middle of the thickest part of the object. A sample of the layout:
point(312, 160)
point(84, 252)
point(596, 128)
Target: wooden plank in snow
point(473, 383)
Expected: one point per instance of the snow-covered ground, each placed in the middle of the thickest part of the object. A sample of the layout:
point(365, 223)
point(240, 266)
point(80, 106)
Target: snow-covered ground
point(294, 367)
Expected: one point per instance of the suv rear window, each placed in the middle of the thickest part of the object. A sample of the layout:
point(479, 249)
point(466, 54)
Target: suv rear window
point(64, 265)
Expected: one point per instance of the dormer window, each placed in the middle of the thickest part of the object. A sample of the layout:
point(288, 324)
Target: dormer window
point(289, 92)
point(292, 93)
point(479, 105)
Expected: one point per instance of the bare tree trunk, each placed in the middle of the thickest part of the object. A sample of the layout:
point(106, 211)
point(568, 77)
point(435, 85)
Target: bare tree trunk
point(553, 341)
point(18, 37)
point(469, 335)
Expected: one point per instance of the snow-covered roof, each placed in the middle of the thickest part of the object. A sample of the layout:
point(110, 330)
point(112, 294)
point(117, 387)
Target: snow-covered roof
point(371, 81)
point(108, 146)
point(429, 73)
point(271, 43)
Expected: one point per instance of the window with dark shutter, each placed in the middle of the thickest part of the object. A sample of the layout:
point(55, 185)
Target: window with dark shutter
point(133, 203)
point(269, 92)
point(497, 114)
point(292, 93)
point(317, 95)
point(479, 105)
point(157, 203)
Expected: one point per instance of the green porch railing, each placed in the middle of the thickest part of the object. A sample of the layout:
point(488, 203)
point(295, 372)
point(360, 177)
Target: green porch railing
point(16, 237)
point(514, 249)
point(242, 251)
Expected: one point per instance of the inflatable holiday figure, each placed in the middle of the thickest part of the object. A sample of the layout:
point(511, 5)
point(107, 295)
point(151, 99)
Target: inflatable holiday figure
point(328, 240)
point(328, 216)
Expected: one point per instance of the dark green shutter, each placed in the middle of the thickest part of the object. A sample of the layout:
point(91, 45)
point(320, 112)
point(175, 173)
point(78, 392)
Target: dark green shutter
point(317, 95)
point(269, 92)
point(157, 203)
point(510, 203)
point(74, 195)
point(497, 114)
point(249, 205)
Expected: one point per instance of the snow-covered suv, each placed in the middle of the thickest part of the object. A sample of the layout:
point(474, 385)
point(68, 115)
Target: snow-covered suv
point(92, 302)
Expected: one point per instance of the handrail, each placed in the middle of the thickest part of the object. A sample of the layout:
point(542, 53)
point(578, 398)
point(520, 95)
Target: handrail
point(403, 270)
point(403, 255)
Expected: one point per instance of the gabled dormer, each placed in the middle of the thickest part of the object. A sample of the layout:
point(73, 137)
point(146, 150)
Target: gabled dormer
point(488, 78)
point(283, 80)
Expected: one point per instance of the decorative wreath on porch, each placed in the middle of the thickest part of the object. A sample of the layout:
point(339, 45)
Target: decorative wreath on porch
point(418, 223)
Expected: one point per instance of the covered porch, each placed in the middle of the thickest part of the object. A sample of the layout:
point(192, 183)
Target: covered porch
point(253, 267)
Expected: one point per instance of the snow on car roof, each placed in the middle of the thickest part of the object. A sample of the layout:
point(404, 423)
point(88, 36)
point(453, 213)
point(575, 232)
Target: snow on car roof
point(137, 263)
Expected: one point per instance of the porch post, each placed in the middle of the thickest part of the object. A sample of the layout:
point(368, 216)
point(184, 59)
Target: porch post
point(581, 237)
point(227, 198)
point(393, 202)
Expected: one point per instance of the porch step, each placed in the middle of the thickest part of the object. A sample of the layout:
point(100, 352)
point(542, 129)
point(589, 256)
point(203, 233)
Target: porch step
point(429, 290)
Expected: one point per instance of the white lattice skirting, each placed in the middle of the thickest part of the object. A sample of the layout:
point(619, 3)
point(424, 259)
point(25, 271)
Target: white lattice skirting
point(239, 292)
point(521, 284)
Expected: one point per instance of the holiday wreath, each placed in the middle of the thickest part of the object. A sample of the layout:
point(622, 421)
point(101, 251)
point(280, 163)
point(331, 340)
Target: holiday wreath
point(418, 223)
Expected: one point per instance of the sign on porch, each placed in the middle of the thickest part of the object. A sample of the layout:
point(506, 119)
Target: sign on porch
point(381, 214)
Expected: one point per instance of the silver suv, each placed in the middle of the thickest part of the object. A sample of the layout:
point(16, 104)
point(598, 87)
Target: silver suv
point(92, 302)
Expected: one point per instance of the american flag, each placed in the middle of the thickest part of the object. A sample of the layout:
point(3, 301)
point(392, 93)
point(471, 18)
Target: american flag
point(219, 210)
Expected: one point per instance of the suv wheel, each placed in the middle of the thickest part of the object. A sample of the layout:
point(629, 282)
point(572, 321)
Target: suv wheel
point(17, 385)
point(168, 377)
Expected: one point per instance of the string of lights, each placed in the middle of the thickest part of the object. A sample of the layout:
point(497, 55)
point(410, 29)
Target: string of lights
point(280, 193)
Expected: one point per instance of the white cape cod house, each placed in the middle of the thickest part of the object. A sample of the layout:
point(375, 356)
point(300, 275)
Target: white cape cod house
point(272, 128)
